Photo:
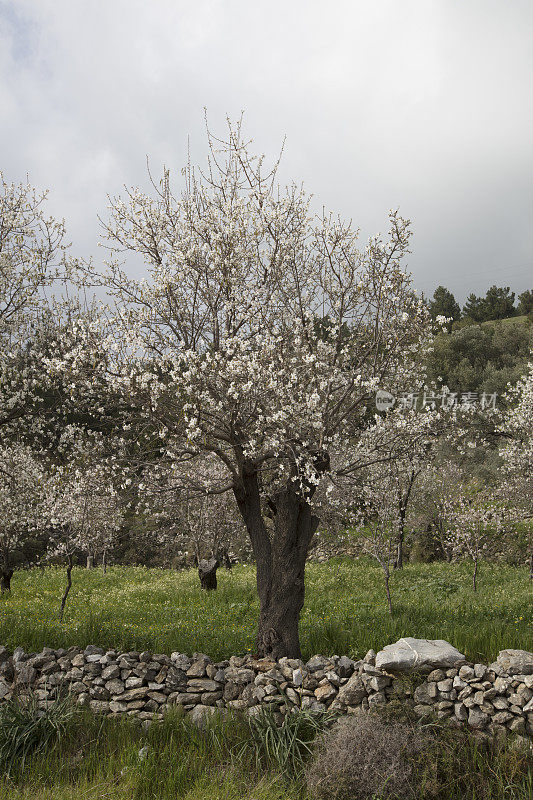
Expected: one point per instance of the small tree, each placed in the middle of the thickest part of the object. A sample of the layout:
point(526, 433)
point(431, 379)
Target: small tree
point(444, 304)
point(22, 505)
point(85, 512)
point(517, 450)
point(525, 302)
point(475, 522)
point(208, 525)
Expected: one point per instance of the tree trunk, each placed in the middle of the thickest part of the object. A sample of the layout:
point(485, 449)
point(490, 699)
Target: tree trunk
point(104, 562)
point(531, 566)
point(90, 561)
point(280, 563)
point(5, 580)
point(67, 588)
point(474, 577)
point(207, 571)
point(387, 589)
point(398, 563)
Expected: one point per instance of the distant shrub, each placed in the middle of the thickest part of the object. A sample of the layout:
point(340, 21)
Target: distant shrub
point(364, 757)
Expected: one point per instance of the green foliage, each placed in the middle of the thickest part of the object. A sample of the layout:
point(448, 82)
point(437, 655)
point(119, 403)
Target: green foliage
point(345, 611)
point(498, 303)
point(481, 357)
point(525, 302)
point(473, 308)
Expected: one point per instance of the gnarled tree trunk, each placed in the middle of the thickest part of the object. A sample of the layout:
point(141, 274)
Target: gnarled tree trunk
point(280, 562)
point(5, 579)
point(207, 571)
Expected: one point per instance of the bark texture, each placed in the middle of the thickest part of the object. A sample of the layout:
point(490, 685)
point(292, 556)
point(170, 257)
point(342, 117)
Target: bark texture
point(280, 549)
point(5, 580)
point(207, 571)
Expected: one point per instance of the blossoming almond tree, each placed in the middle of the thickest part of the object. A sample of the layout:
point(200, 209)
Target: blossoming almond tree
point(84, 510)
point(33, 259)
point(22, 505)
point(263, 332)
point(476, 521)
point(517, 452)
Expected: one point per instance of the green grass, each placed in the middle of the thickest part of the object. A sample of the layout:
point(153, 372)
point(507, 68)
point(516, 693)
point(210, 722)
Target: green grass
point(345, 610)
point(97, 758)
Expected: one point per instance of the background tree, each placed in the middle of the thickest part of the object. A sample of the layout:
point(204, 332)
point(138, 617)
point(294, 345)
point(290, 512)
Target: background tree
point(525, 302)
point(84, 510)
point(239, 273)
point(22, 506)
point(444, 304)
point(205, 528)
point(481, 358)
point(517, 452)
point(475, 523)
point(499, 303)
point(474, 308)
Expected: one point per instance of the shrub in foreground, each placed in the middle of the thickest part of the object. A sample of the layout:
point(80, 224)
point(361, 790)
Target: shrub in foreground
point(364, 757)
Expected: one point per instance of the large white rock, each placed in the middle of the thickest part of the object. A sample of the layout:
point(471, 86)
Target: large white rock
point(516, 662)
point(407, 655)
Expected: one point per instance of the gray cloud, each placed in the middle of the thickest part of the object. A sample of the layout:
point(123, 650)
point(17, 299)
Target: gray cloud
point(421, 104)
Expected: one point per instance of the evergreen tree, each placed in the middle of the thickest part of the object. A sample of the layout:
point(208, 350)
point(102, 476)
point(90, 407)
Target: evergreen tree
point(444, 304)
point(499, 303)
point(474, 308)
point(525, 302)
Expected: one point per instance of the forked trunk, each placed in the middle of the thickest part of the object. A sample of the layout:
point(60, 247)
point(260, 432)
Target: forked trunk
point(280, 562)
point(5, 580)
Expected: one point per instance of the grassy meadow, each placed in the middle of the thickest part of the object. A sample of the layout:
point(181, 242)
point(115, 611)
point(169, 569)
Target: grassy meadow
point(133, 608)
point(97, 758)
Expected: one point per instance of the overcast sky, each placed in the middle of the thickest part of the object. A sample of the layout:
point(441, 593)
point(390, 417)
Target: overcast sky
point(425, 105)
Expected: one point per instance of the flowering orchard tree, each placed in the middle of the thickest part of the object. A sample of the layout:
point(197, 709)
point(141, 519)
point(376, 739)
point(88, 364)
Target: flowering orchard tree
point(262, 332)
point(33, 259)
point(207, 525)
point(84, 511)
point(22, 505)
point(517, 452)
point(388, 484)
point(476, 521)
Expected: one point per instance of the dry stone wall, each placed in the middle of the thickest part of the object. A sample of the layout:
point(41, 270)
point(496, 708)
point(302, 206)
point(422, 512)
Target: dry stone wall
point(493, 698)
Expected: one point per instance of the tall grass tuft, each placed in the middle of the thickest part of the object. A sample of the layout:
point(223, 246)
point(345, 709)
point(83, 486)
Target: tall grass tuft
point(26, 729)
point(284, 747)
